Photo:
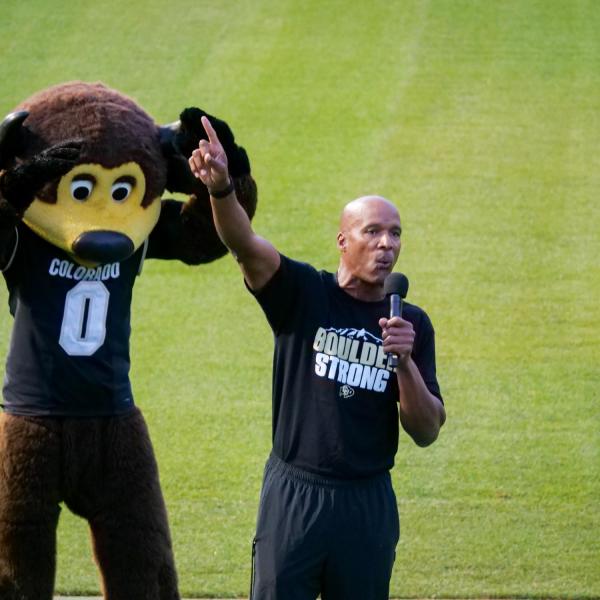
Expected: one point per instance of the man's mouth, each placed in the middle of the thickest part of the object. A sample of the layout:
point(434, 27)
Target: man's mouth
point(383, 263)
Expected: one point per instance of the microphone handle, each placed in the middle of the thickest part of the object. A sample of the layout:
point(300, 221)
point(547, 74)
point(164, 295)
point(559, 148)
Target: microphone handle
point(395, 311)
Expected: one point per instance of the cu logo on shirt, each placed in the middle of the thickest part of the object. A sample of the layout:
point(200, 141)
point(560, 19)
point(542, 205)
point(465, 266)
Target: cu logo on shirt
point(346, 391)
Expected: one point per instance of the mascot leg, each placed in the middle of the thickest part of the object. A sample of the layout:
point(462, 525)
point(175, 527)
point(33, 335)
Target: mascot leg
point(29, 498)
point(116, 487)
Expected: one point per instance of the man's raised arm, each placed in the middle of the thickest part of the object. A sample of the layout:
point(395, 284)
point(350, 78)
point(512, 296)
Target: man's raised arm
point(258, 258)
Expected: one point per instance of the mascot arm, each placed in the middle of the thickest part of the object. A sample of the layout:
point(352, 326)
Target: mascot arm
point(20, 184)
point(186, 231)
point(174, 235)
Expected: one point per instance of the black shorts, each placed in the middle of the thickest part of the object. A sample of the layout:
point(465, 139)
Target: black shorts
point(317, 535)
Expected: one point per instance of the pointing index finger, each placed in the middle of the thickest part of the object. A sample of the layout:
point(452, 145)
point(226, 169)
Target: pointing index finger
point(212, 134)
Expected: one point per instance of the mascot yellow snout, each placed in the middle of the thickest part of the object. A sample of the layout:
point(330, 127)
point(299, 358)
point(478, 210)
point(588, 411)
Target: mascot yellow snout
point(98, 215)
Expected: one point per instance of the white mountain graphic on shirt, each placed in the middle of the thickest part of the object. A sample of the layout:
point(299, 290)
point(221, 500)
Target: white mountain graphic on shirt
point(358, 334)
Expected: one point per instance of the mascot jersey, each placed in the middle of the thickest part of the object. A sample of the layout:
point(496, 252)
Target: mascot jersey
point(69, 349)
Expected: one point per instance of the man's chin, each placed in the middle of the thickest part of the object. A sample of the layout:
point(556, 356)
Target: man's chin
point(382, 270)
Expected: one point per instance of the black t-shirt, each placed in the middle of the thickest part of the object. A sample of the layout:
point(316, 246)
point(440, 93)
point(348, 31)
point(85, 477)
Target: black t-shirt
point(335, 398)
point(69, 348)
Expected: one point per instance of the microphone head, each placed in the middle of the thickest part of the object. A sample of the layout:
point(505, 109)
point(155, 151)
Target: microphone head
point(396, 283)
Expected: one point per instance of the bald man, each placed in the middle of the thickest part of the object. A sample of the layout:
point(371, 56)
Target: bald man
point(328, 519)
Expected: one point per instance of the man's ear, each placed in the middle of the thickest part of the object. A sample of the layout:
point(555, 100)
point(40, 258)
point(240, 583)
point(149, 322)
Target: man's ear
point(341, 241)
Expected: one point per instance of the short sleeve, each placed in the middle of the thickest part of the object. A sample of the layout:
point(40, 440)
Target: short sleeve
point(281, 297)
point(424, 355)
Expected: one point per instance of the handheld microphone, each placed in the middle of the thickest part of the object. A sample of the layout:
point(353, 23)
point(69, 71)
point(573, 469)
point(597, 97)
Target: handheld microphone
point(396, 287)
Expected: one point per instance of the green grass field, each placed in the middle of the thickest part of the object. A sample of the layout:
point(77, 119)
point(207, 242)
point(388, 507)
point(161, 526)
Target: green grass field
point(480, 119)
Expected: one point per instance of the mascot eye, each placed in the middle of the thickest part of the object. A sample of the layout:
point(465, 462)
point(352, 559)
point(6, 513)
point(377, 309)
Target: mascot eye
point(81, 189)
point(120, 190)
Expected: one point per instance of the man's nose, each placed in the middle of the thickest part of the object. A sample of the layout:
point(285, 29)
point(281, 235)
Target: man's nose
point(386, 240)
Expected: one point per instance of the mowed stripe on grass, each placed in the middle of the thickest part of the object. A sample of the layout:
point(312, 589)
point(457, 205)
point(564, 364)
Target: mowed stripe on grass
point(480, 121)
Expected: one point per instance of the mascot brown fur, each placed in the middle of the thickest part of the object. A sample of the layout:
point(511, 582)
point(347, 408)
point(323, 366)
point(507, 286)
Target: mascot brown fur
point(82, 172)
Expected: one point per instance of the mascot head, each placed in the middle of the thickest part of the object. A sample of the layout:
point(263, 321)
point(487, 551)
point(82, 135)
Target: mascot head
point(107, 204)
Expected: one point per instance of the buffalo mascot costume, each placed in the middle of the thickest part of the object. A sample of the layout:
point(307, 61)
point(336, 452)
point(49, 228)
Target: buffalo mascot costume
point(82, 172)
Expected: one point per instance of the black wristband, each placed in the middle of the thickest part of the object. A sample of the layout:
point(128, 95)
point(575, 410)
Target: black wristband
point(224, 192)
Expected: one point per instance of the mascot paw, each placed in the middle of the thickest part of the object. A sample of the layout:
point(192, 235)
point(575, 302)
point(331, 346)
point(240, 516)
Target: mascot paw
point(192, 132)
point(20, 185)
